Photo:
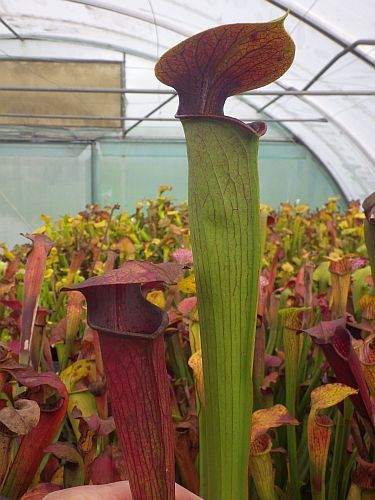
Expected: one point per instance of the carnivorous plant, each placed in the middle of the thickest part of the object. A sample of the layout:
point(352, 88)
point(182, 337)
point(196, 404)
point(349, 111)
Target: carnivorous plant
point(223, 193)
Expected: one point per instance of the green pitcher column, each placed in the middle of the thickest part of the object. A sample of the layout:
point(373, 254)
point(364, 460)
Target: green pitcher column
point(224, 220)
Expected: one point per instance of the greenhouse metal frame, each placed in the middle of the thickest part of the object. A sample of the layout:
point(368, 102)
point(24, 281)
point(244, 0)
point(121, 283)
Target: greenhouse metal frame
point(325, 102)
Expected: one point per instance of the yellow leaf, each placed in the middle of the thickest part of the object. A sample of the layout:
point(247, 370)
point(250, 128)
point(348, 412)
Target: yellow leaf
point(269, 418)
point(85, 402)
point(157, 298)
point(100, 224)
point(287, 267)
point(58, 477)
point(328, 395)
point(262, 206)
point(99, 268)
point(195, 363)
point(40, 230)
point(360, 216)
point(45, 218)
point(147, 250)
point(77, 371)
point(300, 209)
point(195, 336)
point(187, 285)
point(6, 252)
point(349, 231)
point(48, 273)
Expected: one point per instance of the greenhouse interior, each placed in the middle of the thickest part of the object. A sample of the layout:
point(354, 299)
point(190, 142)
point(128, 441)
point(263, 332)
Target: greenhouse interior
point(164, 157)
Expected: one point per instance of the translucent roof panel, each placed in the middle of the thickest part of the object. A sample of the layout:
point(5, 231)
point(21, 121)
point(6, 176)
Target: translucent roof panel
point(335, 43)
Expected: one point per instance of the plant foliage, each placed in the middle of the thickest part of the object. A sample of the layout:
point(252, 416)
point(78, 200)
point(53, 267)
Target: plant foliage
point(68, 408)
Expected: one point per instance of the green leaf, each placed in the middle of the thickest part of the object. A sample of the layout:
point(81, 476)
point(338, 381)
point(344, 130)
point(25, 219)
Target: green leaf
point(322, 276)
point(224, 219)
point(360, 286)
point(74, 474)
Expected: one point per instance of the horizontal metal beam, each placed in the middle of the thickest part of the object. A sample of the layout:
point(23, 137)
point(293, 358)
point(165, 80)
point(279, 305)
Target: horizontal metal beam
point(331, 62)
point(86, 42)
point(328, 93)
point(149, 114)
point(141, 118)
point(47, 59)
point(45, 139)
point(326, 67)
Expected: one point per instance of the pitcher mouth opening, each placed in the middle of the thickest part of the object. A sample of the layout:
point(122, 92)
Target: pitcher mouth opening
point(257, 128)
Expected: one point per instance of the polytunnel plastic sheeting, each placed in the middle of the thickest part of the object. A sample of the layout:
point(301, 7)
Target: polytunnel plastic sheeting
point(35, 167)
point(146, 28)
point(60, 179)
point(348, 162)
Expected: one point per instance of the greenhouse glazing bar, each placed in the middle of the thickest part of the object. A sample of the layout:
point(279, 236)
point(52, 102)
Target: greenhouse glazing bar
point(328, 93)
point(325, 68)
point(145, 17)
point(335, 58)
point(148, 115)
point(141, 118)
point(9, 28)
point(304, 17)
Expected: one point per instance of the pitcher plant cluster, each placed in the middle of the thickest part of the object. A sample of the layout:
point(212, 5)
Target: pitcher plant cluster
point(221, 344)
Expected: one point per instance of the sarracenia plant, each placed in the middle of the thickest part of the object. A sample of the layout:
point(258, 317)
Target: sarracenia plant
point(50, 394)
point(260, 461)
point(131, 339)
point(367, 303)
point(319, 430)
point(335, 341)
point(223, 192)
point(369, 230)
point(34, 274)
point(291, 319)
point(366, 353)
point(340, 280)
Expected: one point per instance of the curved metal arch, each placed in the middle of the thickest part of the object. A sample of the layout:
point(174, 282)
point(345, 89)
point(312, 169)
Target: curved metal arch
point(327, 66)
point(299, 140)
point(78, 24)
point(151, 19)
point(125, 11)
point(122, 49)
point(331, 119)
point(80, 41)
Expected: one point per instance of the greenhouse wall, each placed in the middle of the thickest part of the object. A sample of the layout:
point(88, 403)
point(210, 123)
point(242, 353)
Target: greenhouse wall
point(59, 179)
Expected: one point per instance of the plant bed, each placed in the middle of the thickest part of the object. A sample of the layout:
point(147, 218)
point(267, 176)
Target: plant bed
point(308, 257)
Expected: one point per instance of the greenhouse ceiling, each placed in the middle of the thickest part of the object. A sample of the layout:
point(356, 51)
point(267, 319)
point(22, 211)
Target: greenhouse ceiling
point(326, 100)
